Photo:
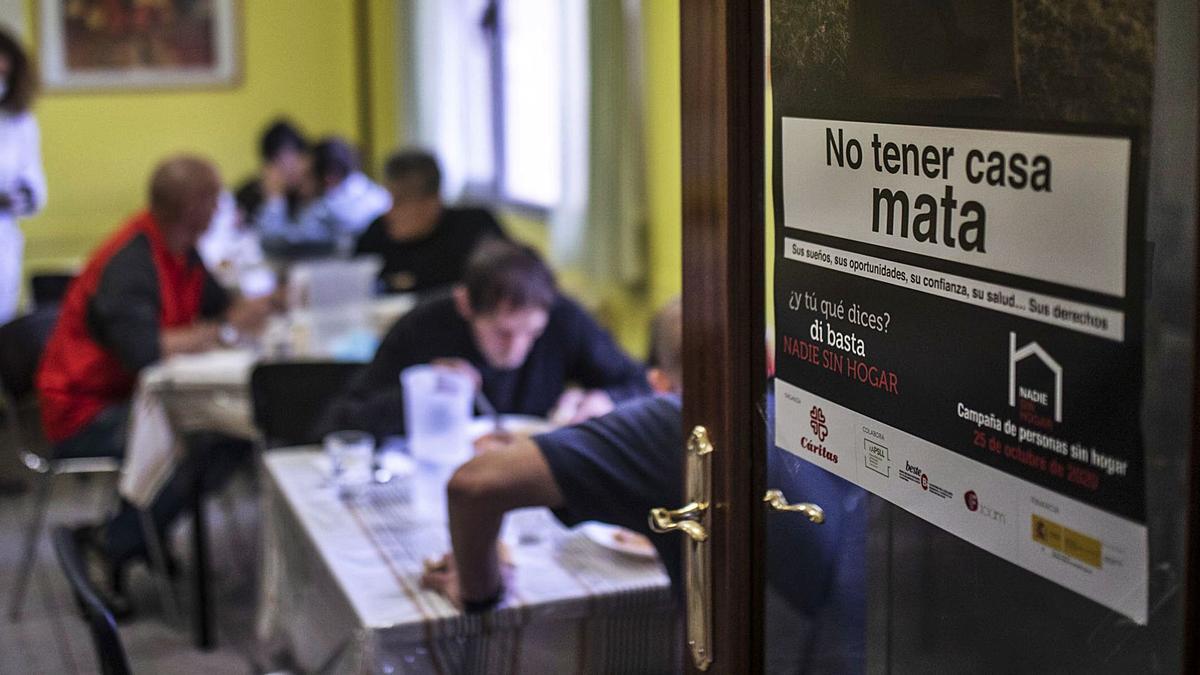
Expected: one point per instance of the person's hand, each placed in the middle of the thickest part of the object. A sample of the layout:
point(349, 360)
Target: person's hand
point(500, 440)
point(460, 366)
point(576, 405)
point(274, 181)
point(441, 575)
point(249, 315)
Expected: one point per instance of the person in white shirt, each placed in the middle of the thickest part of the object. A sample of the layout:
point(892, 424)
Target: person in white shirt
point(22, 183)
point(232, 253)
point(348, 201)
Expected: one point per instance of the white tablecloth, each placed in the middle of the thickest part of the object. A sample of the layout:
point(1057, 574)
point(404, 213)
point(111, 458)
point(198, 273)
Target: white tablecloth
point(341, 591)
point(189, 392)
point(205, 392)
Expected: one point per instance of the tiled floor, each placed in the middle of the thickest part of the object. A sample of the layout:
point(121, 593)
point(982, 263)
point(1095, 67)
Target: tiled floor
point(51, 638)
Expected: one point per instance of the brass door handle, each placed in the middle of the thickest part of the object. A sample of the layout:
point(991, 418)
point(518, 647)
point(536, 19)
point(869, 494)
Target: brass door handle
point(777, 502)
point(684, 519)
point(692, 520)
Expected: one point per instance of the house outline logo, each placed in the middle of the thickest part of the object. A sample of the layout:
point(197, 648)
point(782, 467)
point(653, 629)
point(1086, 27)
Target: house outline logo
point(1015, 356)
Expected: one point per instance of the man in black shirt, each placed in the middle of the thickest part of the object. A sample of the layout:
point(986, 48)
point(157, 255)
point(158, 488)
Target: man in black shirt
point(507, 326)
point(424, 244)
point(612, 469)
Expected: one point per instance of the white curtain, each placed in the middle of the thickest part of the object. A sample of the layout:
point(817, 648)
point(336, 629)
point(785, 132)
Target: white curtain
point(600, 226)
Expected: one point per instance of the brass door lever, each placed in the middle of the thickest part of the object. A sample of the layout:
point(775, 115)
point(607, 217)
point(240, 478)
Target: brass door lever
point(777, 502)
point(684, 519)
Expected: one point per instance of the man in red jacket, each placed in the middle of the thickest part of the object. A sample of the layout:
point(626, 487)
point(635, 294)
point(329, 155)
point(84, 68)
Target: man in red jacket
point(143, 296)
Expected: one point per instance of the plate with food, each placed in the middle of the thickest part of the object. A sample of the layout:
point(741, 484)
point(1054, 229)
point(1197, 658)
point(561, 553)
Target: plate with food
point(619, 539)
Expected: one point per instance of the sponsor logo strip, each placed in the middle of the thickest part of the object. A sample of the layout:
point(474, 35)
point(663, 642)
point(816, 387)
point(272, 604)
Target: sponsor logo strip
point(1049, 534)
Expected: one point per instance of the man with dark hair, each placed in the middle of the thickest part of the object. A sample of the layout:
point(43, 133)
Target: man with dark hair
point(613, 469)
point(279, 186)
point(143, 296)
point(423, 243)
point(346, 202)
point(509, 328)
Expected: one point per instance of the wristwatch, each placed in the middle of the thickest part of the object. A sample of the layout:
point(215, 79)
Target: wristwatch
point(483, 605)
point(228, 335)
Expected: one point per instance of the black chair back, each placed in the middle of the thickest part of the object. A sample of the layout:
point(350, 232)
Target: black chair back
point(290, 397)
point(109, 651)
point(49, 288)
point(22, 342)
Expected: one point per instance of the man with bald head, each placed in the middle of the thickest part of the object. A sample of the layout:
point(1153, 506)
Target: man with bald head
point(143, 296)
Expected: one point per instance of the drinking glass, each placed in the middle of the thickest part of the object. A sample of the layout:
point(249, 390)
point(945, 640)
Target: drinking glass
point(352, 460)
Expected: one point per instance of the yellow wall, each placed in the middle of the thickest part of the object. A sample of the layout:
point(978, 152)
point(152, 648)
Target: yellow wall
point(662, 133)
point(298, 59)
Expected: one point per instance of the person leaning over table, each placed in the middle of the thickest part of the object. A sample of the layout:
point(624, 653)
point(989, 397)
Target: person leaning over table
point(616, 468)
point(347, 201)
point(613, 469)
point(22, 183)
point(509, 328)
point(144, 295)
point(424, 244)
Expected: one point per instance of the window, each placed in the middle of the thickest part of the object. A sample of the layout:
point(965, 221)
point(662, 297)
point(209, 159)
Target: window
point(493, 81)
point(530, 114)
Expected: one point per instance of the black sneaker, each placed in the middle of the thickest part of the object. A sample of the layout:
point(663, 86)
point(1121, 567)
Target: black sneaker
point(102, 575)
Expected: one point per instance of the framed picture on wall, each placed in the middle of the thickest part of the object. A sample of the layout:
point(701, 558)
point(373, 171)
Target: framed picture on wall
point(138, 44)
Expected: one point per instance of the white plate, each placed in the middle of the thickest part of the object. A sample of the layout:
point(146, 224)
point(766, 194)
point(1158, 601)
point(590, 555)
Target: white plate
point(400, 465)
point(619, 539)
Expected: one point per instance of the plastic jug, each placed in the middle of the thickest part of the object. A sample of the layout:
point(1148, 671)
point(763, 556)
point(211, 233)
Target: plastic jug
point(437, 414)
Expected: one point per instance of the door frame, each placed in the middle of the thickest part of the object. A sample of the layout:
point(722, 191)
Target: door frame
point(723, 64)
point(723, 152)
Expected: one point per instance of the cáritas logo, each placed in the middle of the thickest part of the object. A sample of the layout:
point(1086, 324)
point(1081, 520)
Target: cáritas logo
point(816, 418)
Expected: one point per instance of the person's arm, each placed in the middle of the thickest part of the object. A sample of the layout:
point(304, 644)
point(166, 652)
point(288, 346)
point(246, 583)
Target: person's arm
point(512, 476)
point(198, 337)
point(277, 228)
point(122, 315)
point(271, 219)
point(217, 308)
point(31, 180)
point(599, 363)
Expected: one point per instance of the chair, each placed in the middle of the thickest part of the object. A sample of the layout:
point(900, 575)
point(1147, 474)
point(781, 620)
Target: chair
point(102, 626)
point(290, 396)
point(49, 288)
point(21, 344)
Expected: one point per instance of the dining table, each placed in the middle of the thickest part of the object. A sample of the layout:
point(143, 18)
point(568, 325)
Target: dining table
point(210, 391)
point(341, 584)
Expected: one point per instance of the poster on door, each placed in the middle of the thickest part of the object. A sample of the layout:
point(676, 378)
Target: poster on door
point(958, 330)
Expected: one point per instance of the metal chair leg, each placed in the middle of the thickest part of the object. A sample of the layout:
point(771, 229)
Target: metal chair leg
point(229, 507)
point(158, 566)
point(41, 501)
